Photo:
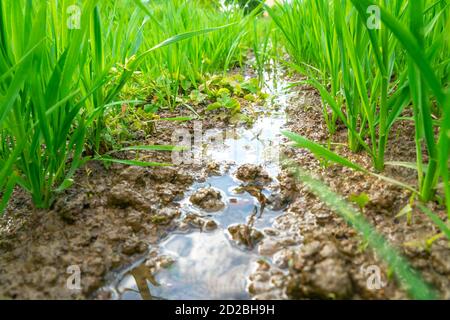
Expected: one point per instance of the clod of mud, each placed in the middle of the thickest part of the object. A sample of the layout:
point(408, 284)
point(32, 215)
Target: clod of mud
point(440, 260)
point(134, 220)
point(213, 168)
point(267, 283)
point(135, 175)
point(288, 185)
point(280, 245)
point(273, 244)
point(133, 245)
point(323, 273)
point(71, 206)
point(198, 222)
point(329, 279)
point(159, 262)
point(277, 201)
point(208, 199)
point(123, 196)
point(254, 174)
point(170, 175)
point(245, 235)
point(164, 216)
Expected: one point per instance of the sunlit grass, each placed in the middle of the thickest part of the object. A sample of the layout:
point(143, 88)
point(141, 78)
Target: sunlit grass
point(57, 82)
point(369, 75)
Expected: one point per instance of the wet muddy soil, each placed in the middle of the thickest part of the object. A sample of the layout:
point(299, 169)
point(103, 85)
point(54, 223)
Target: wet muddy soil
point(108, 219)
point(234, 226)
point(239, 201)
point(334, 261)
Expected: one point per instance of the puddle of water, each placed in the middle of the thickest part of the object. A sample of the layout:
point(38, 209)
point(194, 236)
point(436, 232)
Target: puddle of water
point(238, 205)
point(210, 265)
point(258, 145)
point(207, 267)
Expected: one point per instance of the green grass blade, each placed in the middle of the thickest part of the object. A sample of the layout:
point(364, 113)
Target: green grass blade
point(320, 151)
point(135, 163)
point(7, 192)
point(152, 148)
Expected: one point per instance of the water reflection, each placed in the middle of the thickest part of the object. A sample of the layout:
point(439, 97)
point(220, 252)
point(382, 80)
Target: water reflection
point(142, 277)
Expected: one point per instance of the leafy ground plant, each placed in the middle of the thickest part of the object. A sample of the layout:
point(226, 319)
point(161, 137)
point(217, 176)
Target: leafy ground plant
point(181, 67)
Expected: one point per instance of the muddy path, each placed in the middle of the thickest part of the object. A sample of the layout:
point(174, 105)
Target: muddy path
point(115, 216)
point(235, 225)
point(260, 234)
point(225, 229)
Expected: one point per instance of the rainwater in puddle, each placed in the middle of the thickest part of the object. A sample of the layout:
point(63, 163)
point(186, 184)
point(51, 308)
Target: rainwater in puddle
point(209, 264)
